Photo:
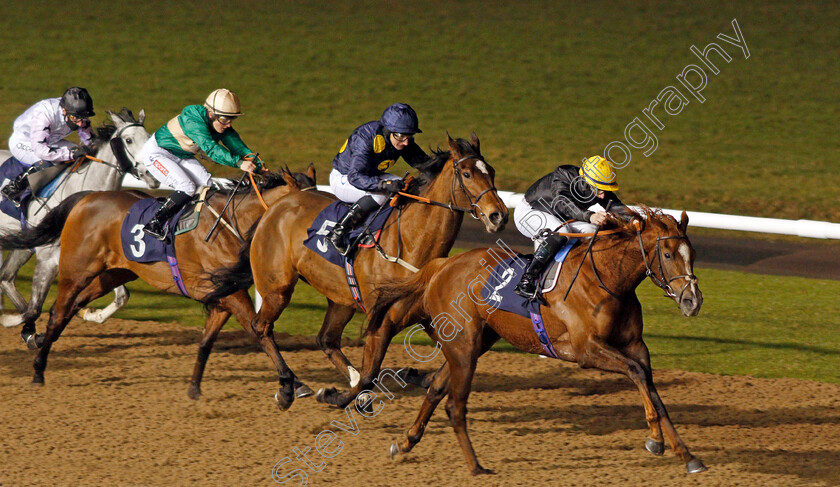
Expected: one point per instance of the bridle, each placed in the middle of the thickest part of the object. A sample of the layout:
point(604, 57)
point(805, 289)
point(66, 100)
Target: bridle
point(474, 209)
point(127, 164)
point(662, 280)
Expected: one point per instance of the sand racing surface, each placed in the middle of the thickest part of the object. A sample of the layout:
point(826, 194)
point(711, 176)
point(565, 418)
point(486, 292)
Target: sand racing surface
point(114, 411)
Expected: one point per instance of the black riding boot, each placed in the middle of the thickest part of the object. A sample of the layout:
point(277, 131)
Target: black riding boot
point(357, 214)
point(527, 287)
point(19, 184)
point(157, 227)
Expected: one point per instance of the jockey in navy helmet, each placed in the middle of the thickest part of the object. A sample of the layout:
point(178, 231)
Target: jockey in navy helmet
point(358, 174)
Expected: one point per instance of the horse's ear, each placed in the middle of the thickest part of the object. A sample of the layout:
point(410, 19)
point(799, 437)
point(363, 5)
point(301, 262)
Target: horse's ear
point(475, 143)
point(115, 118)
point(142, 117)
point(310, 171)
point(289, 178)
point(683, 222)
point(453, 146)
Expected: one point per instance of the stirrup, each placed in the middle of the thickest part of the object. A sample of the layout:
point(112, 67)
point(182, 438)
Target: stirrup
point(11, 194)
point(161, 235)
point(529, 295)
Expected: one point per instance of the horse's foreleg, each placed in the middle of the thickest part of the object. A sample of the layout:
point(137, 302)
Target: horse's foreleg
point(121, 296)
point(263, 326)
point(602, 356)
point(438, 389)
point(69, 290)
point(216, 319)
point(329, 339)
point(242, 307)
point(376, 346)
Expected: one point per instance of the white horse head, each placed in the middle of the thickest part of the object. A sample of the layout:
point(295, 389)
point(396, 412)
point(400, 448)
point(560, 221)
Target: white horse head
point(126, 144)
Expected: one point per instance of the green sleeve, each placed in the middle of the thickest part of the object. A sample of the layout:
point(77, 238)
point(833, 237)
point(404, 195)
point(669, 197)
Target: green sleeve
point(195, 124)
point(234, 143)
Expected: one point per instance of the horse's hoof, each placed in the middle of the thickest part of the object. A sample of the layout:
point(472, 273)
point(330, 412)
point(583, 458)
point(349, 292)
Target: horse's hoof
point(695, 465)
point(364, 403)
point(34, 341)
point(324, 395)
point(282, 402)
point(412, 376)
point(37, 381)
point(303, 390)
point(483, 471)
point(394, 450)
point(655, 447)
point(194, 392)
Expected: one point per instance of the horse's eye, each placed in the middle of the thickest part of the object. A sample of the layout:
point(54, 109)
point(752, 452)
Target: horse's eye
point(667, 255)
point(467, 175)
point(128, 141)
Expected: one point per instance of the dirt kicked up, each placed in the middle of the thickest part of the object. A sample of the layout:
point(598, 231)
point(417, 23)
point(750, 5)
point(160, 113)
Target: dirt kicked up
point(115, 411)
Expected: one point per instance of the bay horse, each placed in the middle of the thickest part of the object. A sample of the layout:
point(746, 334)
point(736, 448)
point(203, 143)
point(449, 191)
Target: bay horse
point(93, 263)
point(599, 325)
point(118, 146)
point(275, 258)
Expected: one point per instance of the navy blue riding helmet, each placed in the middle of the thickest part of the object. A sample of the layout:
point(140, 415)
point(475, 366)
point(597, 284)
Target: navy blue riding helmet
point(400, 118)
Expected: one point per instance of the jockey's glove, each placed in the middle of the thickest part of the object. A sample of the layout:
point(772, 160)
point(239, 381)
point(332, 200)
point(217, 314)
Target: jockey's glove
point(390, 185)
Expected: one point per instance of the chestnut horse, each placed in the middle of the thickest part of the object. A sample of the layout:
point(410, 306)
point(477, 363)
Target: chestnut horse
point(93, 262)
point(599, 324)
point(416, 233)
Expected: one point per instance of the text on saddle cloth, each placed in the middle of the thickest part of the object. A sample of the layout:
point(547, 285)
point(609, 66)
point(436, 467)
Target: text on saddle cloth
point(316, 239)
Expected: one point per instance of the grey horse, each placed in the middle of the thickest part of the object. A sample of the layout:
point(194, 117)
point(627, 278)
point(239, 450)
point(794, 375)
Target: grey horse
point(119, 148)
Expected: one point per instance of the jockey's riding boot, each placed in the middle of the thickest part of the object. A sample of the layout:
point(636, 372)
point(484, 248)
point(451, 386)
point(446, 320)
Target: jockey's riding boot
point(19, 184)
point(527, 287)
point(157, 227)
point(357, 214)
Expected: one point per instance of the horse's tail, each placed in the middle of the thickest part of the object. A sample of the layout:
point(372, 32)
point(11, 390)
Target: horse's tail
point(409, 294)
point(228, 280)
point(45, 232)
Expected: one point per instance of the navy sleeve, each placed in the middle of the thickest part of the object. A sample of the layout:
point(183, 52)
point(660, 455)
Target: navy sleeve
point(359, 175)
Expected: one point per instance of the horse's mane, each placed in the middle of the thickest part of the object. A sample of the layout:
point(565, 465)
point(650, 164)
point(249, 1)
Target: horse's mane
point(431, 168)
point(103, 133)
point(646, 215)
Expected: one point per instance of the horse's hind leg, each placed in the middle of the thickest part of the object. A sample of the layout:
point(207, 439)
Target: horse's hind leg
point(8, 273)
point(45, 271)
point(121, 296)
point(602, 356)
point(329, 338)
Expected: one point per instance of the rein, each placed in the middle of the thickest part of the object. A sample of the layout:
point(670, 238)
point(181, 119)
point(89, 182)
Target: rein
point(473, 210)
point(661, 281)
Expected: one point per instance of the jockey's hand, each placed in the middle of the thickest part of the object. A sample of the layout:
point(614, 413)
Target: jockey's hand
point(81, 151)
point(248, 165)
point(390, 185)
point(598, 218)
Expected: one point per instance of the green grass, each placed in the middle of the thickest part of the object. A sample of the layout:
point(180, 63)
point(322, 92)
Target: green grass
point(766, 326)
point(542, 83)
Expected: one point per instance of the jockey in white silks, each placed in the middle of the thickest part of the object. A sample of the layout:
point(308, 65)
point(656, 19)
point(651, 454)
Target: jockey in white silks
point(38, 137)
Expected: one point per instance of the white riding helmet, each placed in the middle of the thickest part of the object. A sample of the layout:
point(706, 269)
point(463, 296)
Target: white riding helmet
point(224, 102)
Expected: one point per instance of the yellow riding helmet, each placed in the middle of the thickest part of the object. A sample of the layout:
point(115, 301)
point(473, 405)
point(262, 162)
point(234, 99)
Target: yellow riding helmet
point(224, 102)
point(599, 173)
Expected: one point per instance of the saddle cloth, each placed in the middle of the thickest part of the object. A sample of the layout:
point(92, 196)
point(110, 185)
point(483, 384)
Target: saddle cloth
point(45, 183)
point(498, 290)
point(324, 222)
